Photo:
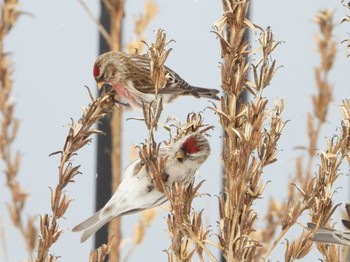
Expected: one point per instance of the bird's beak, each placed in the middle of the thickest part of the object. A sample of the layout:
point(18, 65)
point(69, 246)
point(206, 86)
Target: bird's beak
point(104, 84)
point(100, 84)
point(180, 155)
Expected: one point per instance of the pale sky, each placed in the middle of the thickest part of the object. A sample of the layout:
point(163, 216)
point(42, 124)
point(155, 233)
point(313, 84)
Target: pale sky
point(53, 53)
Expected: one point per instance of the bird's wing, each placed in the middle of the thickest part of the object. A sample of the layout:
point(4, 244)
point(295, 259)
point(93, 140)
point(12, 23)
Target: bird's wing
point(329, 235)
point(140, 73)
point(133, 168)
point(136, 192)
point(346, 223)
point(110, 210)
point(174, 83)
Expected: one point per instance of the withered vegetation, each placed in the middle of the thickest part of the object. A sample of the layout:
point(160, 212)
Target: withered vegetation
point(9, 125)
point(137, 45)
point(252, 130)
point(305, 191)
point(184, 226)
point(79, 135)
point(141, 24)
point(346, 19)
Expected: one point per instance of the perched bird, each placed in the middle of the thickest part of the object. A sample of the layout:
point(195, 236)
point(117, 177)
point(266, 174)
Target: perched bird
point(329, 235)
point(129, 76)
point(136, 191)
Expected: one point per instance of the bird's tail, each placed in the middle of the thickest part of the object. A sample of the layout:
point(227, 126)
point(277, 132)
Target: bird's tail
point(203, 92)
point(92, 224)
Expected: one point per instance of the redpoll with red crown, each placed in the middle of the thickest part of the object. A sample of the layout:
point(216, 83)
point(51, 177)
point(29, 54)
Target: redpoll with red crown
point(129, 76)
point(136, 191)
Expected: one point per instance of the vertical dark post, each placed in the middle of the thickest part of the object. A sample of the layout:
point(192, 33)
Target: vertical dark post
point(109, 146)
point(104, 146)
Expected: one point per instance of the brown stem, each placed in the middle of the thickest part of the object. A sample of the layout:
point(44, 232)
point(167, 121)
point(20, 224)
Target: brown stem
point(116, 10)
point(277, 240)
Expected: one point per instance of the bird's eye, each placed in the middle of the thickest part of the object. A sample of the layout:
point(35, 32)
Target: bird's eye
point(191, 157)
point(96, 71)
point(180, 159)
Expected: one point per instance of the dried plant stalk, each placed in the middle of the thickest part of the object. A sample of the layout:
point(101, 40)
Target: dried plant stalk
point(297, 249)
point(149, 152)
point(184, 228)
point(115, 9)
point(9, 127)
point(116, 13)
point(137, 45)
point(79, 135)
point(319, 192)
point(147, 217)
point(328, 171)
point(100, 254)
point(327, 47)
point(100, 27)
point(152, 112)
point(346, 19)
point(141, 24)
point(248, 146)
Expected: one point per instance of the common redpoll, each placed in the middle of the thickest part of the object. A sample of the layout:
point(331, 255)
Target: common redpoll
point(129, 76)
point(136, 191)
point(329, 235)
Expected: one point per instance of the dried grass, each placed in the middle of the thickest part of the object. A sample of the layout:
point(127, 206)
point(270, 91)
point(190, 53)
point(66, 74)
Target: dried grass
point(347, 20)
point(251, 133)
point(137, 45)
point(79, 135)
point(101, 253)
point(307, 192)
point(185, 227)
point(116, 13)
point(250, 143)
point(8, 133)
point(141, 24)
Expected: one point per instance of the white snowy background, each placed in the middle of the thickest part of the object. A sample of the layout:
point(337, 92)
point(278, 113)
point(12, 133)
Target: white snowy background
point(53, 52)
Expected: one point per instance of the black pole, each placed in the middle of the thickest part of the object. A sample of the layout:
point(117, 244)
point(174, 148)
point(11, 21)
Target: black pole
point(104, 146)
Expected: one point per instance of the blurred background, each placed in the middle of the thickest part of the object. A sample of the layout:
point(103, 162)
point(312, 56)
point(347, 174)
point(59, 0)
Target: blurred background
point(53, 50)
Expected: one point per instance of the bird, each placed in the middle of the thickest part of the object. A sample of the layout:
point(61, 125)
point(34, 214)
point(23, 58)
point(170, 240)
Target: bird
point(329, 235)
point(129, 76)
point(136, 191)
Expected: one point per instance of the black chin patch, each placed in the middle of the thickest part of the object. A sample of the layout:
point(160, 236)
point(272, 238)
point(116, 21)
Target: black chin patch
point(106, 86)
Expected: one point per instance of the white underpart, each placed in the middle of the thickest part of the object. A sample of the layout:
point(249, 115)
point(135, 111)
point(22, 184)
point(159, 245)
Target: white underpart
point(136, 191)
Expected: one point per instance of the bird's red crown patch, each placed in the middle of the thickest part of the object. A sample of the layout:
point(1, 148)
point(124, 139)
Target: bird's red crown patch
point(96, 71)
point(190, 145)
